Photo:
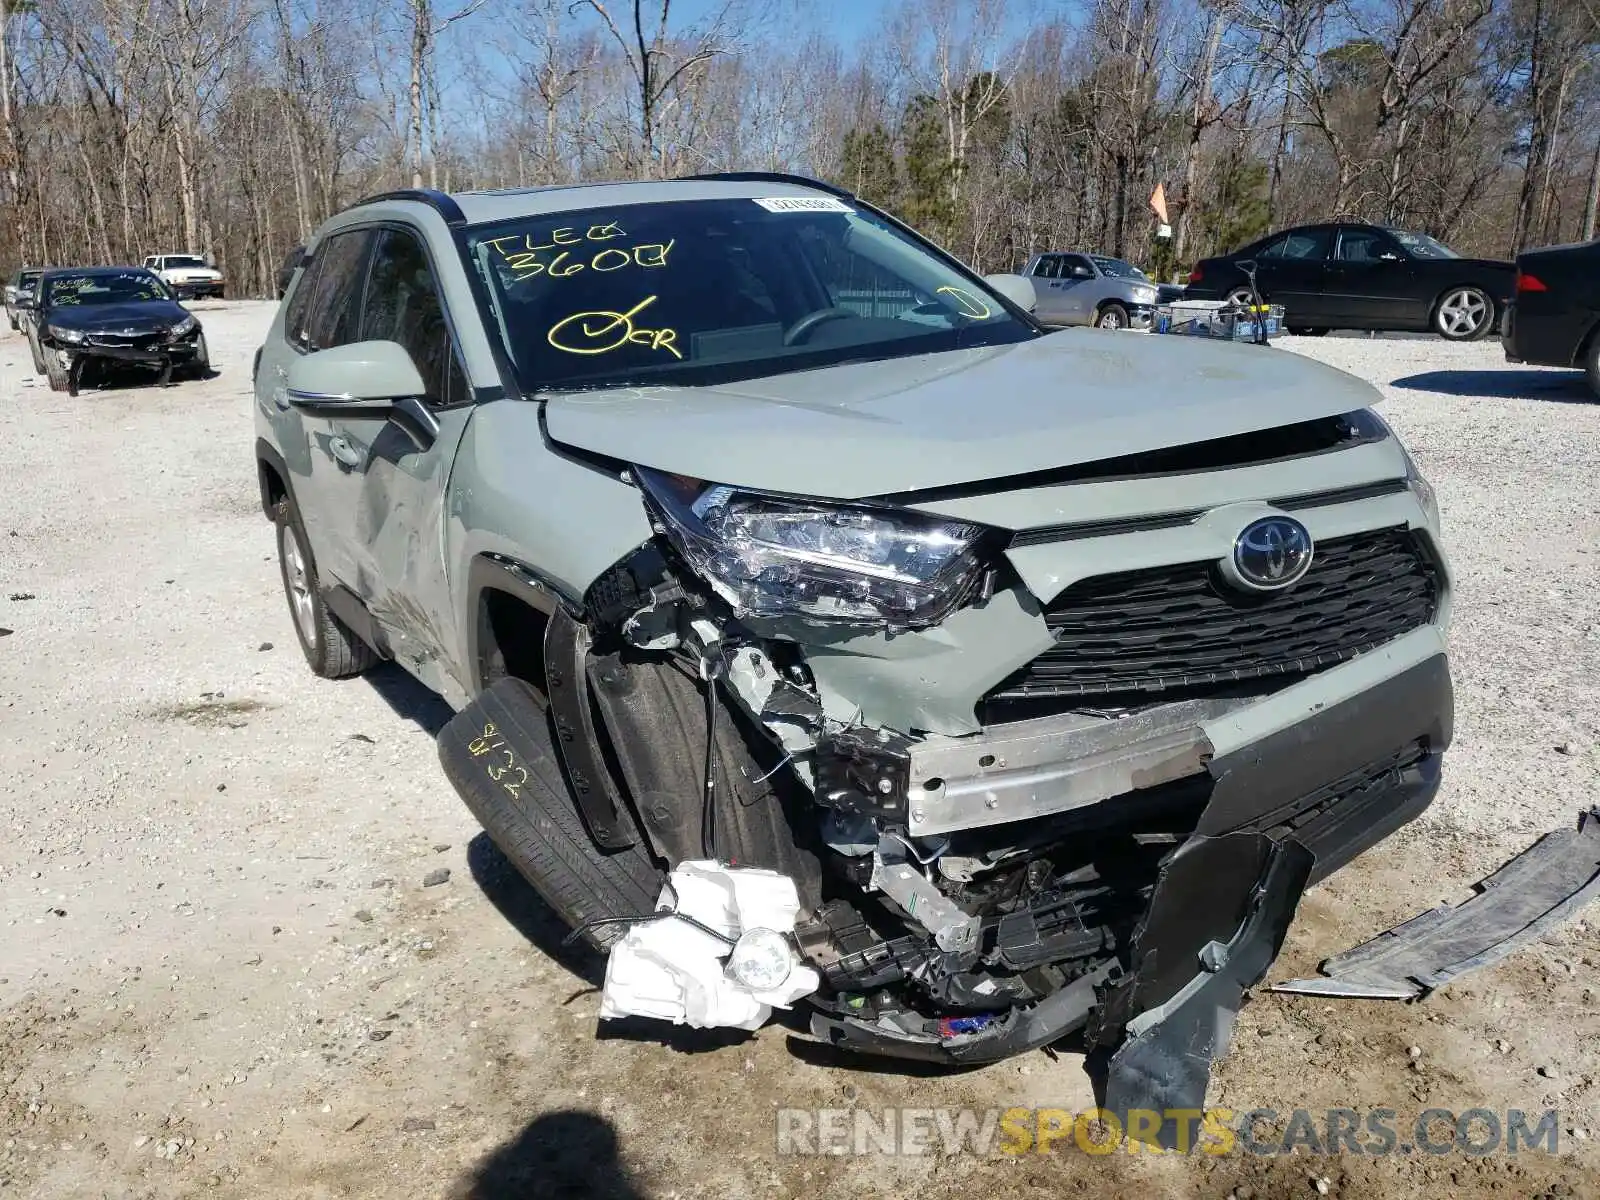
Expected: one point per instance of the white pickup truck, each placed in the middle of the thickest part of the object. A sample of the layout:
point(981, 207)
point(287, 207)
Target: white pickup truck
point(187, 274)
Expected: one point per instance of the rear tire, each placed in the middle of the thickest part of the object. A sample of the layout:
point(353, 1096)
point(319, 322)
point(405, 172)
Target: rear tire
point(1242, 297)
point(1111, 316)
point(331, 649)
point(1308, 331)
point(536, 822)
point(1591, 364)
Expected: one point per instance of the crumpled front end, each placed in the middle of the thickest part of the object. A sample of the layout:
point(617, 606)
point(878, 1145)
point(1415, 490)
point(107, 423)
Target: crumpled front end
point(1005, 725)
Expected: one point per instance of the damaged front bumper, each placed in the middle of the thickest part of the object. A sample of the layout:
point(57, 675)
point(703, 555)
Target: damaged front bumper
point(1330, 784)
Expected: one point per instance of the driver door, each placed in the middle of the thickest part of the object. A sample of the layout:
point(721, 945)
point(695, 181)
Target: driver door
point(389, 508)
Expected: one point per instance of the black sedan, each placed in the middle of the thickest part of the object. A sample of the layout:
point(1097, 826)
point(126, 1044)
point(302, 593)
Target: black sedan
point(1351, 276)
point(92, 320)
point(1555, 319)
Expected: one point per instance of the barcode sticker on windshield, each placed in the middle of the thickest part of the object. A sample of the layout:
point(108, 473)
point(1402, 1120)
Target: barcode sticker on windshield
point(782, 204)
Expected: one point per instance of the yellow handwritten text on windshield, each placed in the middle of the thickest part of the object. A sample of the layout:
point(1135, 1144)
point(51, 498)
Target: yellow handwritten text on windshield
point(966, 303)
point(566, 251)
point(602, 332)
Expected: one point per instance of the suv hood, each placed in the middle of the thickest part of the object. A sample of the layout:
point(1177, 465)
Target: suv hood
point(960, 417)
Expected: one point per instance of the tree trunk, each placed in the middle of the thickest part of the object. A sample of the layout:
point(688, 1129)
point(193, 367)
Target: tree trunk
point(1280, 150)
point(12, 150)
point(1191, 158)
point(420, 18)
point(1593, 204)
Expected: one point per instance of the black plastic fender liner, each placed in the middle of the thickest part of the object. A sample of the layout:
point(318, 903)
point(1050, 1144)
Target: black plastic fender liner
point(1530, 895)
point(566, 658)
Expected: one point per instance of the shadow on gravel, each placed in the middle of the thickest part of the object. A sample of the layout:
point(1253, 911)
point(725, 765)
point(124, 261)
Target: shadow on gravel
point(514, 899)
point(408, 698)
point(1565, 387)
point(570, 1155)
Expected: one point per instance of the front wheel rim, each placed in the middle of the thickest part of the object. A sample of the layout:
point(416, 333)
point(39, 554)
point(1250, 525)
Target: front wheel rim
point(1463, 313)
point(1110, 320)
point(297, 582)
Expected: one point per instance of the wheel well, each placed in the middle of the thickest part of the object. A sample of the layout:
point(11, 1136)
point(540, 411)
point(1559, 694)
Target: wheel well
point(273, 489)
point(1585, 344)
point(510, 639)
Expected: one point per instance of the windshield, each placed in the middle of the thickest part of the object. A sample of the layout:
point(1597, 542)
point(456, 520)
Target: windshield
point(183, 260)
point(1117, 269)
point(1420, 245)
point(125, 287)
point(709, 291)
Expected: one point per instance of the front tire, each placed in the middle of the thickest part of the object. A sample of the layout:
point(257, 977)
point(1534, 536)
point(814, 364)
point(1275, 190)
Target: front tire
point(199, 367)
point(1463, 314)
point(38, 354)
point(535, 822)
point(1112, 316)
point(60, 376)
point(331, 649)
point(1591, 365)
point(1308, 331)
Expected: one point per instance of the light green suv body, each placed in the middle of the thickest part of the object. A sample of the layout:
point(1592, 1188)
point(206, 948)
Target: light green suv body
point(811, 550)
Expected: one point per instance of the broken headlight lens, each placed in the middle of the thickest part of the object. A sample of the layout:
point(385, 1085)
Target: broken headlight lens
point(771, 556)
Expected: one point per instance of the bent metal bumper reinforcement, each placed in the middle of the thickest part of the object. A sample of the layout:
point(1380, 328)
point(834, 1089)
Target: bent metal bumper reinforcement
point(1053, 764)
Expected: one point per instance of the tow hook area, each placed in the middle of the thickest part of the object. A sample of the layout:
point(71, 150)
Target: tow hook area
point(1529, 896)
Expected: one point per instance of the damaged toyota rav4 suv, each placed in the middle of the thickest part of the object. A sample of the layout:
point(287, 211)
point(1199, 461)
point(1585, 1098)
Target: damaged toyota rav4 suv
point(821, 628)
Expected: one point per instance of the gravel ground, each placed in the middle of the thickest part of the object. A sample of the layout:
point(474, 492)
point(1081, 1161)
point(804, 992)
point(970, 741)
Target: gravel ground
point(221, 974)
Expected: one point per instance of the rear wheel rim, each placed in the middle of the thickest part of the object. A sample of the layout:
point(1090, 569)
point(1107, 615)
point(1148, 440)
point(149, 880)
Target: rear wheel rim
point(1463, 313)
point(297, 582)
point(1241, 296)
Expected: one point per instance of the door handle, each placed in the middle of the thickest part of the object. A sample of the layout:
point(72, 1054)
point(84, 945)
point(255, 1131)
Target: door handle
point(342, 450)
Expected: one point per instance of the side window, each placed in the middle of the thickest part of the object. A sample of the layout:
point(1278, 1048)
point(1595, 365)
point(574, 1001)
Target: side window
point(330, 314)
point(1045, 268)
point(1362, 245)
point(1304, 245)
point(1076, 266)
point(403, 305)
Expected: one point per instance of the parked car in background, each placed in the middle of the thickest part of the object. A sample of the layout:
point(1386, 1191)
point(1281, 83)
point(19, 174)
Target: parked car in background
point(94, 319)
point(188, 275)
point(1554, 319)
point(1354, 276)
point(291, 264)
point(19, 294)
point(1091, 289)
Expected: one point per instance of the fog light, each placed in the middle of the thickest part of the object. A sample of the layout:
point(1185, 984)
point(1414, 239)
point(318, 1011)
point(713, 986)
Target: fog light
point(762, 959)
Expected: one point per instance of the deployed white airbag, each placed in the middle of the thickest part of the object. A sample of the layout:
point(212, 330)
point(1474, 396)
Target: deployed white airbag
point(669, 970)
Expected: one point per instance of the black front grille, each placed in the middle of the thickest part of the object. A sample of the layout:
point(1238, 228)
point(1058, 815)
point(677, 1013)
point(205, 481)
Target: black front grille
point(1182, 629)
point(125, 341)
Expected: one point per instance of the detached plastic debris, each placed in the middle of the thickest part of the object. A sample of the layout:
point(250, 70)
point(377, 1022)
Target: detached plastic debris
point(1526, 898)
point(669, 970)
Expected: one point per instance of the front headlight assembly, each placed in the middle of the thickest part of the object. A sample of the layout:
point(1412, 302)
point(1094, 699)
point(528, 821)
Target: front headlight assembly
point(186, 326)
point(772, 556)
point(71, 336)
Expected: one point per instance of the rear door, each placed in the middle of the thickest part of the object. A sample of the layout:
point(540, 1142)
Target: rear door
point(1292, 270)
point(391, 491)
point(1372, 281)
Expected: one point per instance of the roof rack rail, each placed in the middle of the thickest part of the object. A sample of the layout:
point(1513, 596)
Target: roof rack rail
point(775, 177)
point(440, 202)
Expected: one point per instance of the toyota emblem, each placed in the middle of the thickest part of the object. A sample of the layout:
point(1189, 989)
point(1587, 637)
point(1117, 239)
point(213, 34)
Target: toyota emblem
point(1270, 554)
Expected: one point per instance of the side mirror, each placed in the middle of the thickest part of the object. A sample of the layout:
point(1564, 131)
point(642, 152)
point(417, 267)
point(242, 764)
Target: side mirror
point(364, 379)
point(1018, 289)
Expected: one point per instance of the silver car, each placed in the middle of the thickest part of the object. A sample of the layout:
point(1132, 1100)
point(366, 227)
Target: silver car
point(1090, 289)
